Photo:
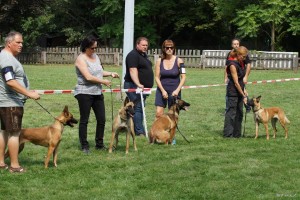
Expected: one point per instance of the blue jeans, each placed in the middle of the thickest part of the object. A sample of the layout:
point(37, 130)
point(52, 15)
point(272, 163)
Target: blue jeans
point(138, 116)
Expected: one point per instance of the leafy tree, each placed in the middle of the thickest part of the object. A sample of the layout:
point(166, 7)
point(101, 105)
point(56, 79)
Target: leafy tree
point(270, 16)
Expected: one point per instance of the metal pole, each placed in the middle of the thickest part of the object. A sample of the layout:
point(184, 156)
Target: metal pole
point(144, 114)
point(128, 33)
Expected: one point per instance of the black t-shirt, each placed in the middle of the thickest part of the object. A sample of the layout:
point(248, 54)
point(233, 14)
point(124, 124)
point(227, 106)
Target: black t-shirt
point(138, 60)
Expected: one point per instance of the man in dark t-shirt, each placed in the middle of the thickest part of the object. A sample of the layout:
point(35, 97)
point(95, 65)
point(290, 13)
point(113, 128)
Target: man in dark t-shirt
point(139, 74)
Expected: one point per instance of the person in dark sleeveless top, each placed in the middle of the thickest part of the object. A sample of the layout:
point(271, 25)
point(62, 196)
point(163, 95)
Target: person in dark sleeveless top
point(237, 95)
point(169, 76)
point(235, 43)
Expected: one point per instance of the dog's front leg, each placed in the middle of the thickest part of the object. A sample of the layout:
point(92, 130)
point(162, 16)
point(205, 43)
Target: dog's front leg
point(134, 142)
point(267, 130)
point(112, 141)
point(55, 152)
point(172, 134)
point(50, 151)
point(256, 129)
point(127, 141)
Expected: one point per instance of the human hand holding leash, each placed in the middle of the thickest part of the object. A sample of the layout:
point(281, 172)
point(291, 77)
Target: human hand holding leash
point(164, 94)
point(115, 75)
point(33, 95)
point(106, 82)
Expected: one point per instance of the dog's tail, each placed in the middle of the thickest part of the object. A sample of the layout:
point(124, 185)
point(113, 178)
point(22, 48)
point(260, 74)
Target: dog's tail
point(287, 120)
point(151, 139)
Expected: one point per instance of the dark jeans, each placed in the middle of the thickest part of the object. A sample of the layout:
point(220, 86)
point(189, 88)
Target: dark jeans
point(138, 116)
point(86, 102)
point(234, 117)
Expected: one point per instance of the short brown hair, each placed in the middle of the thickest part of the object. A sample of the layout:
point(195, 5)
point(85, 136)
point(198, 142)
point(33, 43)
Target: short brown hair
point(139, 39)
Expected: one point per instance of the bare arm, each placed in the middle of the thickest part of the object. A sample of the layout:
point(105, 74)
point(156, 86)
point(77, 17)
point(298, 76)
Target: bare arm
point(134, 76)
point(157, 79)
point(83, 68)
point(182, 80)
point(16, 86)
point(247, 72)
point(112, 74)
point(225, 75)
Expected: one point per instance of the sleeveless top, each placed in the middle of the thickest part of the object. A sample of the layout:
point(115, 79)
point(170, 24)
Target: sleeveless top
point(170, 78)
point(241, 71)
point(85, 87)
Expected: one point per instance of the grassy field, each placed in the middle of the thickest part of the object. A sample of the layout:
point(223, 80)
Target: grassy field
point(210, 167)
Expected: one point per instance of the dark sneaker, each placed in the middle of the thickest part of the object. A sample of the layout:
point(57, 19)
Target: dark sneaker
point(102, 148)
point(86, 151)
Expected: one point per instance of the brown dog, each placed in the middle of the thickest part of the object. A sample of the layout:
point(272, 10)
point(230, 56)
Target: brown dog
point(124, 122)
point(47, 136)
point(163, 128)
point(264, 115)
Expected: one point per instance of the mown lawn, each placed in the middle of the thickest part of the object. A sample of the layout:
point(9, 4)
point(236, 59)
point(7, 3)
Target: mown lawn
point(210, 167)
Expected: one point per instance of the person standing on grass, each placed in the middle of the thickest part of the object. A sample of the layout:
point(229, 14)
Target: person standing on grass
point(236, 92)
point(139, 74)
point(14, 90)
point(170, 77)
point(235, 43)
point(88, 92)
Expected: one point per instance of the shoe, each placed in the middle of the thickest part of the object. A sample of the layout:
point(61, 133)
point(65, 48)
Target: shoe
point(17, 170)
point(141, 134)
point(86, 151)
point(5, 166)
point(173, 142)
point(103, 148)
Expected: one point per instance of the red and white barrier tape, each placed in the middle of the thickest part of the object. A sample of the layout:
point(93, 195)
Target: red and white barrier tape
point(148, 90)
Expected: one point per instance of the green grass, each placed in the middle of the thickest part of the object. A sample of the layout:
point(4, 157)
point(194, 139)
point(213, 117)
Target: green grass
point(210, 167)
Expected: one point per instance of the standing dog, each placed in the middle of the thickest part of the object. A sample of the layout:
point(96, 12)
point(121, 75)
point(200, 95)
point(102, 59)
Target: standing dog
point(264, 115)
point(163, 128)
point(47, 136)
point(124, 122)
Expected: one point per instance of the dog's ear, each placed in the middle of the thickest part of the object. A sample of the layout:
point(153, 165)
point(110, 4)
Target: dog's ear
point(126, 101)
point(66, 109)
point(258, 98)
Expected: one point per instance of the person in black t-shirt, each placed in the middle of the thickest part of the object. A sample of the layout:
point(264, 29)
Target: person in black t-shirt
point(139, 74)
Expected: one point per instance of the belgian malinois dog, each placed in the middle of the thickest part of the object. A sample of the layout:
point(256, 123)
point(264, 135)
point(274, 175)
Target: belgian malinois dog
point(163, 128)
point(123, 122)
point(47, 136)
point(264, 115)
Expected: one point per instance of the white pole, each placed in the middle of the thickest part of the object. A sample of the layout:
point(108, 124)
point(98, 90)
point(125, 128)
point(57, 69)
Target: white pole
point(128, 33)
point(144, 114)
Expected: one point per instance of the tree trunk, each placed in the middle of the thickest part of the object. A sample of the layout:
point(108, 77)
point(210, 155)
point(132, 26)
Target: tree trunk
point(273, 37)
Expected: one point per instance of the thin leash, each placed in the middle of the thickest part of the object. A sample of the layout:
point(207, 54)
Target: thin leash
point(245, 124)
point(174, 101)
point(112, 104)
point(48, 112)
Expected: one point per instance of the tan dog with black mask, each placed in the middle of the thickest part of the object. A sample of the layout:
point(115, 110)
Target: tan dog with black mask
point(47, 136)
point(264, 115)
point(123, 122)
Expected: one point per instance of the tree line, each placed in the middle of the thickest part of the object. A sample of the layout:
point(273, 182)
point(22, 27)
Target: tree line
point(200, 24)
